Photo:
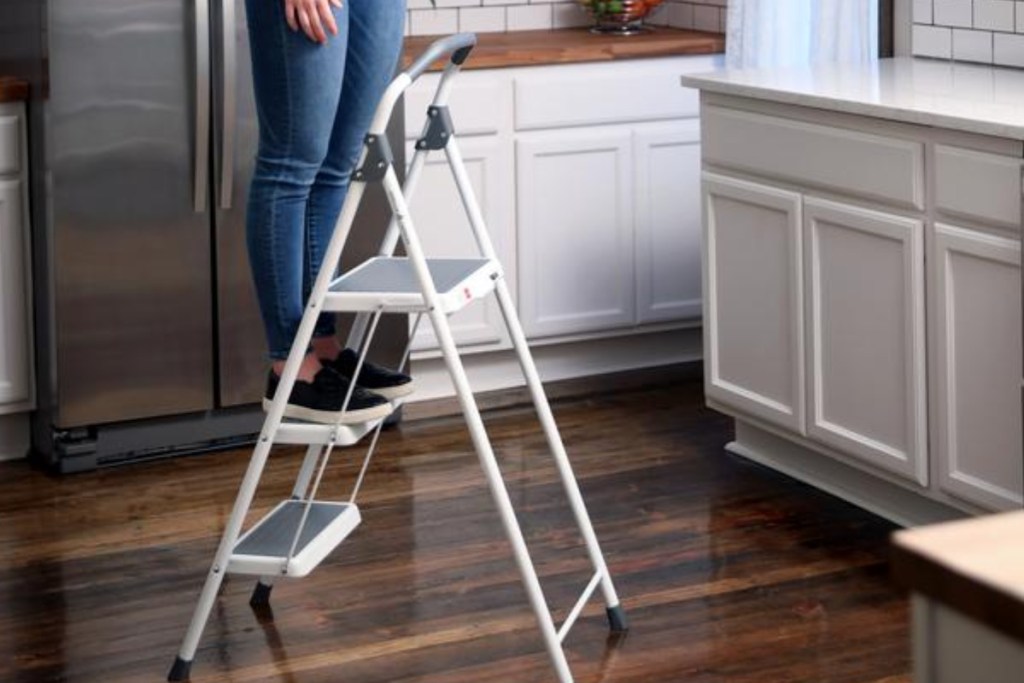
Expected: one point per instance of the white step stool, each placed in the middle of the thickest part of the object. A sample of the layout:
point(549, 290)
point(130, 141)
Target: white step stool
point(300, 532)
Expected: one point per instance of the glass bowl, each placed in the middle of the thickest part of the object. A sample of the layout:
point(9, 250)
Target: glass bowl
point(622, 17)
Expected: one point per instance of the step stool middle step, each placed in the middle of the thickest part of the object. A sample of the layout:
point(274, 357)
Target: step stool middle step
point(390, 283)
point(263, 550)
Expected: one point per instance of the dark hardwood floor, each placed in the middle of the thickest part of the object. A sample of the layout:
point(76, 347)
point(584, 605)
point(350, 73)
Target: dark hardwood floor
point(729, 572)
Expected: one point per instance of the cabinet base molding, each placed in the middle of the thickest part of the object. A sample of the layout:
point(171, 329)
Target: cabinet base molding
point(14, 436)
point(575, 368)
point(885, 499)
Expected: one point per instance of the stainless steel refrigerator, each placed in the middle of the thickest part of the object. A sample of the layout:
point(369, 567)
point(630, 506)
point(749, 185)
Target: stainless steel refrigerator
point(143, 138)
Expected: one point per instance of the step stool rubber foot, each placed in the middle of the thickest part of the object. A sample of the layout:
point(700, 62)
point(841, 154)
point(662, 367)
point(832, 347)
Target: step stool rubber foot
point(617, 619)
point(261, 596)
point(180, 670)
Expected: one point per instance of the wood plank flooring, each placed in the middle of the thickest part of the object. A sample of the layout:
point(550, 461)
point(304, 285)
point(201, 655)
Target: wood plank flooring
point(728, 572)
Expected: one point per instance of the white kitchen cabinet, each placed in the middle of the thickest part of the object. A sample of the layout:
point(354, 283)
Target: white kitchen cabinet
point(866, 337)
point(588, 177)
point(575, 211)
point(605, 209)
point(911, 284)
point(753, 284)
point(975, 311)
point(14, 371)
point(16, 392)
point(668, 221)
point(443, 227)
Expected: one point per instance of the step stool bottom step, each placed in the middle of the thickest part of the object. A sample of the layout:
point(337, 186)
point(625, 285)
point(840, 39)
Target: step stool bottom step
point(263, 550)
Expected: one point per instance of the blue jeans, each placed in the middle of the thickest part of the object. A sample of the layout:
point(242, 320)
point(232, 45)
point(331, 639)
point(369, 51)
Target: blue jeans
point(314, 104)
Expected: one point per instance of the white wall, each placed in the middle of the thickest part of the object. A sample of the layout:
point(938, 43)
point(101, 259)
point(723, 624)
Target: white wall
point(484, 16)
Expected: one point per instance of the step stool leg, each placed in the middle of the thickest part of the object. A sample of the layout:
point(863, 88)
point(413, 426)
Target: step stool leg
point(500, 494)
point(476, 430)
point(260, 598)
point(616, 615)
point(183, 663)
point(305, 475)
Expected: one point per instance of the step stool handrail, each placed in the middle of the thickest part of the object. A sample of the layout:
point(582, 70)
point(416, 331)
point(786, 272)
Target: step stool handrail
point(459, 45)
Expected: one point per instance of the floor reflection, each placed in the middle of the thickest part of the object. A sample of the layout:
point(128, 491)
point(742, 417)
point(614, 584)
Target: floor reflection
point(727, 572)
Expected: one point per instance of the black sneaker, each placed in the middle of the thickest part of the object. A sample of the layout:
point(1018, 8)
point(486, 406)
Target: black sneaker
point(381, 381)
point(321, 400)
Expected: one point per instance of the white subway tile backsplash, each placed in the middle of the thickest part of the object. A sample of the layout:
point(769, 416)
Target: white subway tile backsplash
point(990, 31)
point(1008, 49)
point(529, 17)
point(972, 46)
point(993, 15)
point(922, 11)
point(569, 15)
point(707, 18)
point(521, 15)
point(933, 41)
point(482, 19)
point(433, 21)
point(953, 12)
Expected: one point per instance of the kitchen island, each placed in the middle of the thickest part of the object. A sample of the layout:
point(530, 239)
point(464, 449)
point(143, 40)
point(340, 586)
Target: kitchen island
point(862, 278)
point(967, 584)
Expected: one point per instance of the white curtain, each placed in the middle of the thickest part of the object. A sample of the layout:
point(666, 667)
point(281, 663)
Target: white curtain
point(792, 32)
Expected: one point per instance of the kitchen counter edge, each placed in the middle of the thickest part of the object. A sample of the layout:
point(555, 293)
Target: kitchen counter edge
point(973, 98)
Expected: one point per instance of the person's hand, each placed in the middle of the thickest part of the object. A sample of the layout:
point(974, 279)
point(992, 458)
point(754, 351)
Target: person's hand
point(314, 17)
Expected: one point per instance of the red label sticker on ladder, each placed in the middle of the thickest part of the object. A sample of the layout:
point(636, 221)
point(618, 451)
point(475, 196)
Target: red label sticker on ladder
point(466, 293)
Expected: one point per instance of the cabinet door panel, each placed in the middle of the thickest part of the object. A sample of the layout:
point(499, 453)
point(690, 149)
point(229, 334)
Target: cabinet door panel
point(444, 230)
point(979, 186)
point(668, 267)
point(609, 92)
point(575, 230)
point(15, 382)
point(753, 300)
point(480, 103)
point(976, 311)
point(866, 329)
point(10, 140)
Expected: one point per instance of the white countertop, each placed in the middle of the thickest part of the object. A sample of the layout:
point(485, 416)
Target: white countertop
point(974, 98)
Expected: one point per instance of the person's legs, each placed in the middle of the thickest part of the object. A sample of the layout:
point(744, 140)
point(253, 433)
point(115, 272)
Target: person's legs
point(297, 85)
point(375, 29)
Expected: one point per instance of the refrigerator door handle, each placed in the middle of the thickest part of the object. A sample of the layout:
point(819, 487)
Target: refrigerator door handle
point(201, 161)
point(228, 110)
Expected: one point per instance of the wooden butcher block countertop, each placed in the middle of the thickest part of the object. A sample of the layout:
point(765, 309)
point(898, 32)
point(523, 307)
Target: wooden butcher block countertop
point(574, 45)
point(13, 89)
point(975, 566)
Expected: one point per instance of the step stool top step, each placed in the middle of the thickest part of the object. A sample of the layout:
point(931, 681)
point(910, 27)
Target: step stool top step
point(398, 276)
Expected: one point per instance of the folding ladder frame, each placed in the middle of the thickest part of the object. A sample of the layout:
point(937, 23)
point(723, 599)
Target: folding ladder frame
point(297, 534)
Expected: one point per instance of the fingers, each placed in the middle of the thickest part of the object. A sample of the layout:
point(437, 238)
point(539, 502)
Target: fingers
point(327, 17)
point(289, 15)
point(314, 17)
point(307, 25)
